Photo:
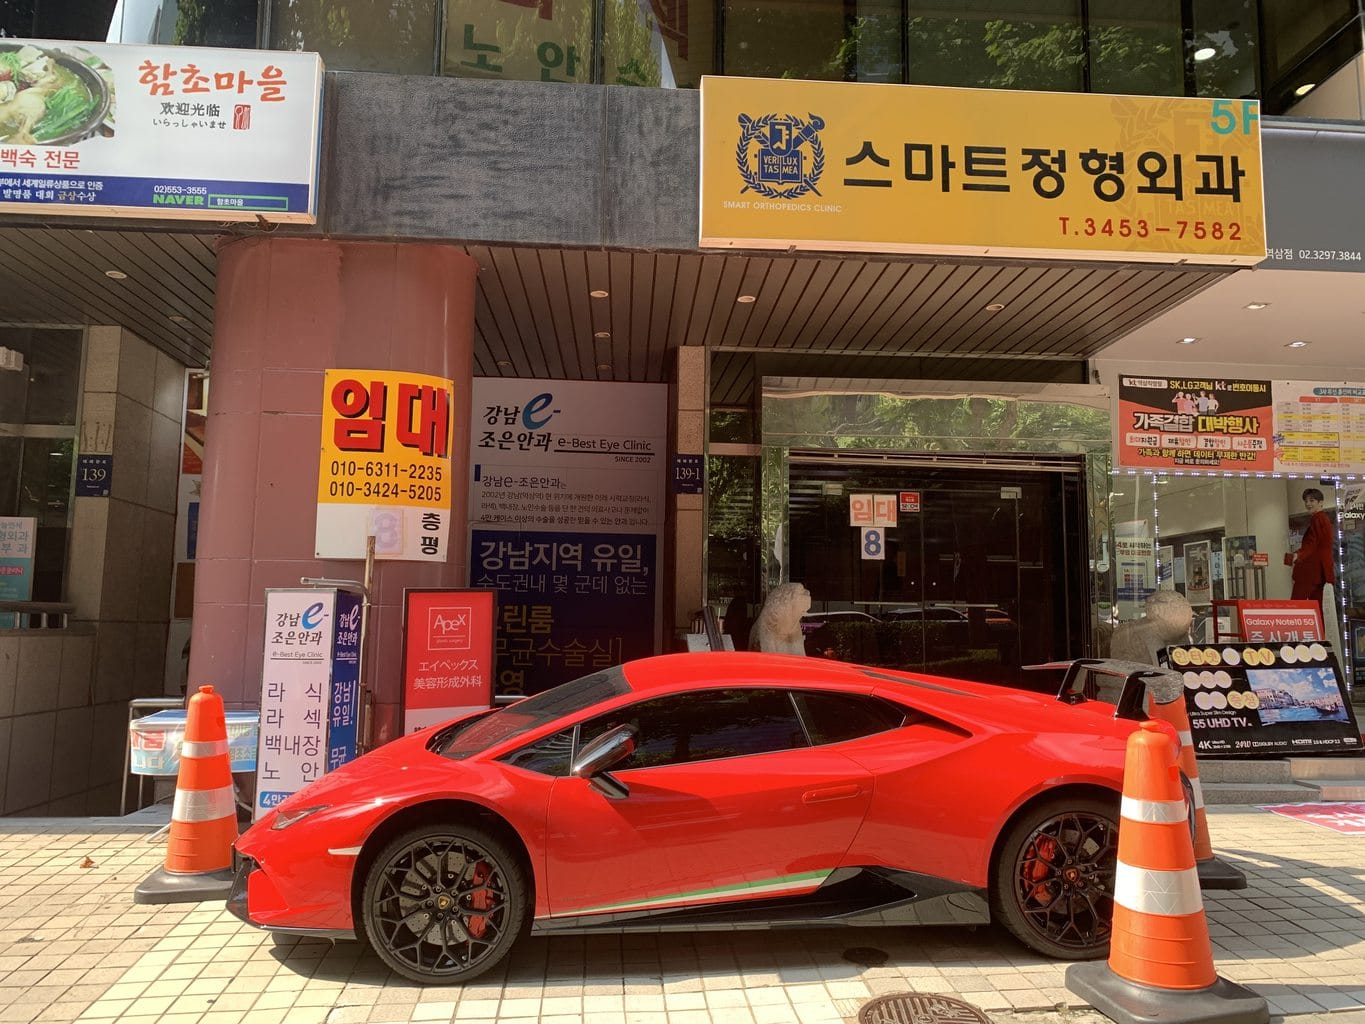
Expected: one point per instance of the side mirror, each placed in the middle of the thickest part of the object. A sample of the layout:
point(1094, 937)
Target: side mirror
point(595, 760)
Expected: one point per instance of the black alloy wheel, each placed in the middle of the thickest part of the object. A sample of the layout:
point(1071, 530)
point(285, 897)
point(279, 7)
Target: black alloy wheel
point(443, 904)
point(1054, 878)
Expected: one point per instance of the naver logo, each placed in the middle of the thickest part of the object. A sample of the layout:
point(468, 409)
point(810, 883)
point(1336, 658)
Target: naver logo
point(449, 628)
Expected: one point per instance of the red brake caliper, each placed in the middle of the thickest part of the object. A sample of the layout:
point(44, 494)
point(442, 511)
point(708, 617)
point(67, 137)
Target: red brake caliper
point(480, 900)
point(1042, 853)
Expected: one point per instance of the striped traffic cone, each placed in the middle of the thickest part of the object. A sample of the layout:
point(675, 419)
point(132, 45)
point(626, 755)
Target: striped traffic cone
point(1160, 958)
point(1213, 873)
point(204, 818)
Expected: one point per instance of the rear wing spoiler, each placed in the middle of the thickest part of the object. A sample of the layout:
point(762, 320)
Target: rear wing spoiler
point(1084, 679)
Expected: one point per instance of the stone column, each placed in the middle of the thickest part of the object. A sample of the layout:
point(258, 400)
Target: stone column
point(288, 309)
point(685, 533)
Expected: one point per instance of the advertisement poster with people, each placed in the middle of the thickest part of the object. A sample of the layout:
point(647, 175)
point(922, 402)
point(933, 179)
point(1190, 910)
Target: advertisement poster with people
point(1194, 423)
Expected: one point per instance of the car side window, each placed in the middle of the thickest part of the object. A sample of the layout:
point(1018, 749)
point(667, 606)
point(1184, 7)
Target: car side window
point(704, 726)
point(835, 717)
point(548, 756)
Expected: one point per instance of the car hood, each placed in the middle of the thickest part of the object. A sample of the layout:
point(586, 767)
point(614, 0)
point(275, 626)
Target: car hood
point(377, 777)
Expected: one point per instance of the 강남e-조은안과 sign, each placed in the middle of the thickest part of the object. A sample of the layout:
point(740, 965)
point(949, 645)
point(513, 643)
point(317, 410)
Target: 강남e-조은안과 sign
point(186, 133)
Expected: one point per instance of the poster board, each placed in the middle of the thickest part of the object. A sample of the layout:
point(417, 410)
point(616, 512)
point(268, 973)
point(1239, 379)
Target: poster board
point(1269, 698)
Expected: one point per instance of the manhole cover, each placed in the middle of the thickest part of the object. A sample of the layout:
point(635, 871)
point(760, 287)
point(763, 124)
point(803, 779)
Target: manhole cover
point(866, 956)
point(913, 1008)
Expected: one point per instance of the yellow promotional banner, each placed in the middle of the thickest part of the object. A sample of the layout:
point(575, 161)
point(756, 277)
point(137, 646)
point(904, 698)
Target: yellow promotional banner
point(385, 466)
point(979, 172)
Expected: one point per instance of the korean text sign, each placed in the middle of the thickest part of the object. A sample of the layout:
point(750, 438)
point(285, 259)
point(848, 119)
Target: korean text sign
point(1194, 423)
point(566, 508)
point(447, 654)
point(18, 540)
point(296, 677)
point(1266, 621)
point(386, 465)
point(1270, 698)
point(156, 131)
point(897, 168)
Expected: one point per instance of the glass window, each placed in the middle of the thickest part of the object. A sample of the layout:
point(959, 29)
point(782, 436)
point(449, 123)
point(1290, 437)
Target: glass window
point(704, 726)
point(38, 408)
point(668, 43)
point(1223, 46)
point(521, 40)
point(1295, 28)
point(398, 36)
point(835, 717)
point(483, 731)
point(829, 40)
point(1136, 47)
point(997, 44)
point(549, 756)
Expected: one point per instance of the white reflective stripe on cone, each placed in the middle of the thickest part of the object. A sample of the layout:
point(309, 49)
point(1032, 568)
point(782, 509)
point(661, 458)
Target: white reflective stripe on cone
point(207, 748)
point(1162, 812)
point(1198, 794)
point(1186, 738)
point(1168, 893)
point(203, 805)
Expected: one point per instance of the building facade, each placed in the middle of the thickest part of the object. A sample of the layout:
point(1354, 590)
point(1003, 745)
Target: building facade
point(509, 192)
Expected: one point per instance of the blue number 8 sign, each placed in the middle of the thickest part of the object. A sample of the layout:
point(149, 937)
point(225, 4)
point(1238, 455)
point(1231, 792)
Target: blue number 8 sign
point(874, 544)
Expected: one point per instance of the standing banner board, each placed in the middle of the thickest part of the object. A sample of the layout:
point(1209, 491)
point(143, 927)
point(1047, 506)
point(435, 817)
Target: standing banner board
point(162, 131)
point(385, 467)
point(877, 167)
point(566, 516)
point(1275, 621)
point(1265, 698)
point(308, 725)
point(18, 539)
point(343, 704)
point(447, 654)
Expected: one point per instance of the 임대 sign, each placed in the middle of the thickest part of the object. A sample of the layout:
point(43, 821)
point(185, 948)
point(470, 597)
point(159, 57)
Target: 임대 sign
point(182, 133)
point(902, 168)
point(386, 465)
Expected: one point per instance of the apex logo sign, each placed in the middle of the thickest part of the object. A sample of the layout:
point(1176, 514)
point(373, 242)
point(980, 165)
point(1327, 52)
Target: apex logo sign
point(450, 627)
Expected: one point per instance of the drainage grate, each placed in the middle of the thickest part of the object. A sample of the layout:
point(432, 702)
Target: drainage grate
point(914, 1008)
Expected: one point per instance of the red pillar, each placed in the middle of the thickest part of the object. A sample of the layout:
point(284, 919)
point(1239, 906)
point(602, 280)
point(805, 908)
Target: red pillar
point(288, 309)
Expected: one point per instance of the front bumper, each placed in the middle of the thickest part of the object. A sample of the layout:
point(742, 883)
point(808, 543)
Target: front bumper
point(247, 872)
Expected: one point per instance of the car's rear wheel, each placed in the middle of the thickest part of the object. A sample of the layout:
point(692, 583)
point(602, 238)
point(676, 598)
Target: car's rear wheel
point(1053, 886)
point(442, 904)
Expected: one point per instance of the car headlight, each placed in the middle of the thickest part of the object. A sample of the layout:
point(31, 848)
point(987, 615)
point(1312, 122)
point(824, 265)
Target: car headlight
point(283, 820)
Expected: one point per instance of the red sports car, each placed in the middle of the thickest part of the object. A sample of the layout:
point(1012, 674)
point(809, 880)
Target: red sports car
point(708, 791)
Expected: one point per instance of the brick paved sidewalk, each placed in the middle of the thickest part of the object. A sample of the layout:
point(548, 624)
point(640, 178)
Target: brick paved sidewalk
point(73, 946)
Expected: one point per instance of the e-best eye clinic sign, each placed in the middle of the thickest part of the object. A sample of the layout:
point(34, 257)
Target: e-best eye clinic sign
point(867, 167)
point(185, 133)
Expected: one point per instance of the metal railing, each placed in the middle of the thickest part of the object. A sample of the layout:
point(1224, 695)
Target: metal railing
point(26, 611)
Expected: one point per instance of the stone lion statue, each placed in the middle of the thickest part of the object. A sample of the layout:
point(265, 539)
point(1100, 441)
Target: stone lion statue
point(1166, 620)
point(777, 630)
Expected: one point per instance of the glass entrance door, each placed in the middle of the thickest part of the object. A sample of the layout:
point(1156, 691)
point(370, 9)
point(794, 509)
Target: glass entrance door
point(990, 573)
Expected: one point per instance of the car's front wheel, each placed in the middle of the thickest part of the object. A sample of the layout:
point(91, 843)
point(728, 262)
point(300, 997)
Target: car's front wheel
point(1053, 885)
point(442, 904)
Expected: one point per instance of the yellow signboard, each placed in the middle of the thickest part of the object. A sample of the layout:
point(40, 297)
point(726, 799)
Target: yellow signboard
point(385, 468)
point(905, 168)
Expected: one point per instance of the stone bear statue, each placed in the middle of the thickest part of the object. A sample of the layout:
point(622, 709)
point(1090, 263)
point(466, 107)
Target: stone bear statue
point(777, 630)
point(1165, 621)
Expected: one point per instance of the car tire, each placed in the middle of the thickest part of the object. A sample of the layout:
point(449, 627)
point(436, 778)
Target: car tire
point(1052, 885)
point(444, 903)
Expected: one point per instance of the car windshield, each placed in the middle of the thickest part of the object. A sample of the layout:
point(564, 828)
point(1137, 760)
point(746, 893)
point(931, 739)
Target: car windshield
point(483, 731)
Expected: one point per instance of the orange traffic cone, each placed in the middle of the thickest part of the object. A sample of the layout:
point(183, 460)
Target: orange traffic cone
point(1213, 873)
point(1160, 959)
point(204, 818)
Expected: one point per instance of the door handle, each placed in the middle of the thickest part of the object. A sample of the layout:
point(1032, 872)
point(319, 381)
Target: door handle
point(815, 796)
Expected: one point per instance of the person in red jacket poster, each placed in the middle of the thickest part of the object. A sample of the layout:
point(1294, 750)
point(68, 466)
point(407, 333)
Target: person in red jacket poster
point(1314, 563)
